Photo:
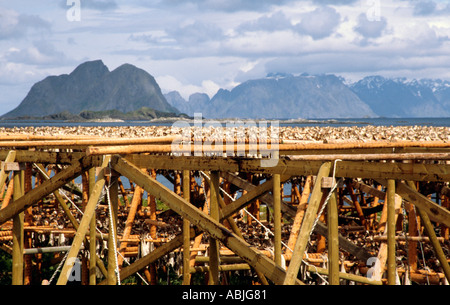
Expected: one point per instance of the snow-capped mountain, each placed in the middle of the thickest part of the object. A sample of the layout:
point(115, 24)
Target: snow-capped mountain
point(401, 97)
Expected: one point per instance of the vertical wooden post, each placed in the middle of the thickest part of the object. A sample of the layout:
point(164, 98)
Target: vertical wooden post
point(28, 218)
point(214, 244)
point(308, 221)
point(186, 230)
point(18, 234)
point(92, 234)
point(277, 218)
point(84, 224)
point(412, 230)
point(151, 203)
point(333, 241)
point(112, 236)
point(391, 266)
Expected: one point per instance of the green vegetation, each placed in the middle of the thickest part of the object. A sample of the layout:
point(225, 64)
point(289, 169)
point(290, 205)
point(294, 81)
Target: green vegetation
point(142, 114)
point(5, 268)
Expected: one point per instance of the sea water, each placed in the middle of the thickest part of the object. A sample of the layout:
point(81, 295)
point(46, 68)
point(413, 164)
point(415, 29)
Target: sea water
point(435, 122)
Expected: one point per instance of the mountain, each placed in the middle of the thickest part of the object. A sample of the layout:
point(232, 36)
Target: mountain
point(402, 98)
point(282, 96)
point(197, 102)
point(92, 87)
point(129, 92)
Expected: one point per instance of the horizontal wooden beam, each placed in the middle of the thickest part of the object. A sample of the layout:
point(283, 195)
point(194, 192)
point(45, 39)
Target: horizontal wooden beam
point(346, 276)
point(45, 157)
point(80, 142)
point(347, 169)
point(374, 157)
point(216, 230)
point(221, 147)
point(396, 171)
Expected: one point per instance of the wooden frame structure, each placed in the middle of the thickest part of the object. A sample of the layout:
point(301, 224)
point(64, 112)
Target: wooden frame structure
point(341, 177)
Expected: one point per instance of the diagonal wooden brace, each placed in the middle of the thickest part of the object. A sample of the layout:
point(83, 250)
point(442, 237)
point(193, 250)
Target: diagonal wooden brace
point(436, 212)
point(9, 158)
point(47, 188)
point(307, 224)
point(253, 257)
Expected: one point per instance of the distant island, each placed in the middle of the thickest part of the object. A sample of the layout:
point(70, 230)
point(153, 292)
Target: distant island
point(142, 114)
point(93, 93)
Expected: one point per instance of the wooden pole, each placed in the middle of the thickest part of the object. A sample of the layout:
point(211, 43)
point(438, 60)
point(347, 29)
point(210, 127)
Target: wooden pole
point(186, 230)
point(277, 218)
point(252, 256)
point(98, 262)
point(346, 276)
point(290, 148)
point(213, 243)
point(308, 221)
point(149, 258)
point(236, 231)
point(84, 224)
point(92, 234)
point(18, 234)
point(93, 141)
point(137, 198)
point(112, 237)
point(435, 212)
point(9, 158)
point(333, 241)
point(301, 208)
point(46, 188)
point(391, 264)
point(8, 194)
point(151, 202)
point(244, 199)
point(348, 169)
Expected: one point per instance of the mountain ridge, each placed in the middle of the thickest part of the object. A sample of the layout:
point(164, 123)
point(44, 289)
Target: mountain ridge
point(399, 97)
point(92, 87)
point(385, 97)
point(284, 96)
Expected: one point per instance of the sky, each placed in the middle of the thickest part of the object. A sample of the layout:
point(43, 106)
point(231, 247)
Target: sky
point(204, 45)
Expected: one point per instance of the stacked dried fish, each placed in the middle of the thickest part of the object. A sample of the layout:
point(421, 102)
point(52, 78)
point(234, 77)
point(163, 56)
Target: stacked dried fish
point(246, 133)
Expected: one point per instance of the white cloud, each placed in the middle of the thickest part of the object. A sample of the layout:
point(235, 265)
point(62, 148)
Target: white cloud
point(273, 22)
point(319, 23)
point(195, 33)
point(169, 83)
point(41, 52)
point(370, 28)
point(15, 26)
point(199, 46)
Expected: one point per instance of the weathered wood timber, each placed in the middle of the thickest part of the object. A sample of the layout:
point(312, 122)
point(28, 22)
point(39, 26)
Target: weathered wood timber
point(349, 169)
point(214, 228)
point(212, 216)
point(47, 187)
point(307, 225)
point(84, 224)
